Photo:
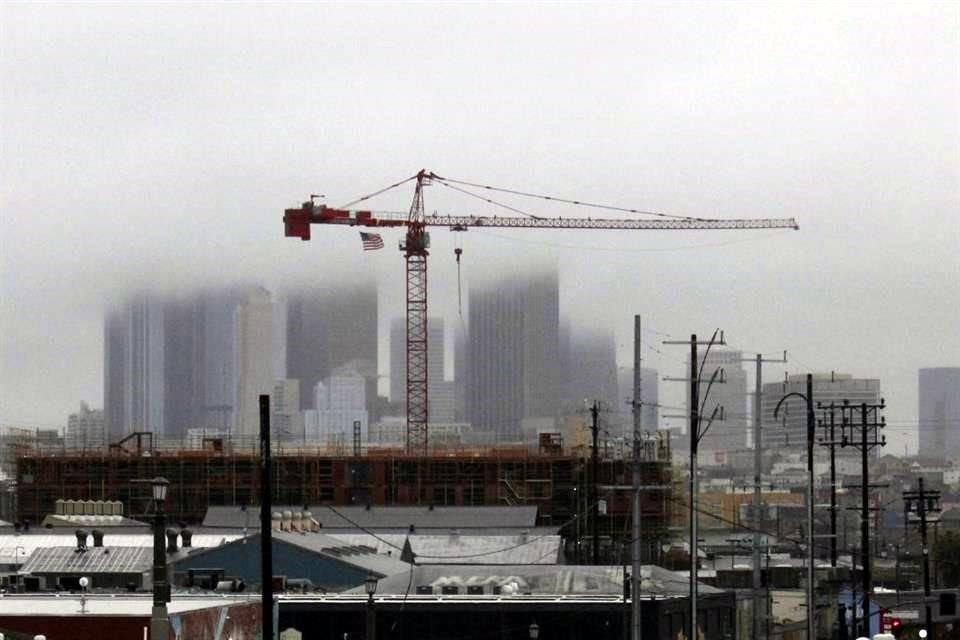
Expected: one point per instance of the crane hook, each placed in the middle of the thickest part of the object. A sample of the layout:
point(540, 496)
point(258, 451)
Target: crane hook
point(457, 251)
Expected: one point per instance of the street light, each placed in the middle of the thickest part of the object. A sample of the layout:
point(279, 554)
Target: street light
point(84, 582)
point(159, 621)
point(534, 631)
point(160, 489)
point(811, 421)
point(370, 586)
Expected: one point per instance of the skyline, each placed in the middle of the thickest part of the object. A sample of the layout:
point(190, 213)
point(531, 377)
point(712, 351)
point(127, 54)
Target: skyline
point(171, 165)
point(578, 338)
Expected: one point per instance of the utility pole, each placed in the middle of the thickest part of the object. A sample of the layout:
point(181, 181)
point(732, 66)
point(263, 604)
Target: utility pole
point(869, 439)
point(922, 503)
point(635, 577)
point(757, 475)
point(695, 379)
point(266, 524)
point(594, 498)
point(830, 440)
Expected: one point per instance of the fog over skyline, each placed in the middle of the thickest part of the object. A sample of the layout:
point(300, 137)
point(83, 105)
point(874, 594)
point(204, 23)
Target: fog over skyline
point(157, 146)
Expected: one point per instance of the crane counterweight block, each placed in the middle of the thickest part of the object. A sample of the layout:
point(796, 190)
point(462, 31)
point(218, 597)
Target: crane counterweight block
point(296, 222)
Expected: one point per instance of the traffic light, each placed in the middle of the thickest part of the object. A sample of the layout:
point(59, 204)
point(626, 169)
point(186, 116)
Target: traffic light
point(896, 625)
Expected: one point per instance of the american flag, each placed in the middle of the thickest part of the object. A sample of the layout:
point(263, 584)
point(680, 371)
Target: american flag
point(371, 241)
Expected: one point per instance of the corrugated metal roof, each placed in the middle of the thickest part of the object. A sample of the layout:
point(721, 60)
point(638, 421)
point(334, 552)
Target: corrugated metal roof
point(360, 555)
point(15, 548)
point(465, 548)
point(110, 605)
point(94, 560)
point(387, 517)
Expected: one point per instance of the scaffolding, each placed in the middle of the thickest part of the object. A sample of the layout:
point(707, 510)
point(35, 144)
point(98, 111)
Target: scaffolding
point(219, 473)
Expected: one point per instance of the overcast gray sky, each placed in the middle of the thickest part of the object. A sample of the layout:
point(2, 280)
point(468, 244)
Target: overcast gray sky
point(159, 144)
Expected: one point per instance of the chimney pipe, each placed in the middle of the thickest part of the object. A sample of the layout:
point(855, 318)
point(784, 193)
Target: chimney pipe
point(97, 538)
point(187, 536)
point(81, 540)
point(172, 541)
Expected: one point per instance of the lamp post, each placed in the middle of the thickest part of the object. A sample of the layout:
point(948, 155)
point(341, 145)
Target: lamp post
point(370, 586)
point(159, 622)
point(534, 631)
point(811, 421)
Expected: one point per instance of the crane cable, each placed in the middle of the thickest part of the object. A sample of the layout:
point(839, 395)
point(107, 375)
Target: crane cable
point(488, 200)
point(377, 193)
point(565, 200)
point(457, 251)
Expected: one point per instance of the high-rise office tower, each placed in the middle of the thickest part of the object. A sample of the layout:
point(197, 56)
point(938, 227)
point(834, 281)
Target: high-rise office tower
point(116, 337)
point(134, 368)
point(168, 364)
point(460, 372)
point(728, 432)
point(328, 328)
point(592, 371)
point(216, 411)
point(512, 350)
point(253, 341)
point(939, 411)
point(790, 428)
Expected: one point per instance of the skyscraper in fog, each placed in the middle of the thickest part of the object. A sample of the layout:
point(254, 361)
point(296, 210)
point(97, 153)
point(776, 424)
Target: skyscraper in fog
point(939, 411)
point(327, 328)
point(512, 352)
point(134, 368)
point(252, 353)
point(168, 364)
point(591, 372)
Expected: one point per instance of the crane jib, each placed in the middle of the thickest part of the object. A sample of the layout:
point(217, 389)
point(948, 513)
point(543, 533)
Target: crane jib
point(297, 221)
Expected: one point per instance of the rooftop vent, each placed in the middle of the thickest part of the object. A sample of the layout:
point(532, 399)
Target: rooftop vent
point(172, 546)
point(81, 540)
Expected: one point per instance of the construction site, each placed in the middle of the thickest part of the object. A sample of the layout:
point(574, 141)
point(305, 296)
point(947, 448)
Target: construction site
point(557, 481)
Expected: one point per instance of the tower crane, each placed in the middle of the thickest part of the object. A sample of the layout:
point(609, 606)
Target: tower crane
point(416, 244)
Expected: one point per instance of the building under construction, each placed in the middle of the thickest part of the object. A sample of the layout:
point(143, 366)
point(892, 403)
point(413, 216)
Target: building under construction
point(554, 479)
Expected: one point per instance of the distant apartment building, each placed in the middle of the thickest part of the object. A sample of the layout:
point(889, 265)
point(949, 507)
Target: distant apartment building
point(728, 432)
point(253, 340)
point(86, 430)
point(328, 327)
point(340, 412)
point(512, 354)
point(650, 394)
point(789, 430)
point(440, 393)
point(938, 429)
